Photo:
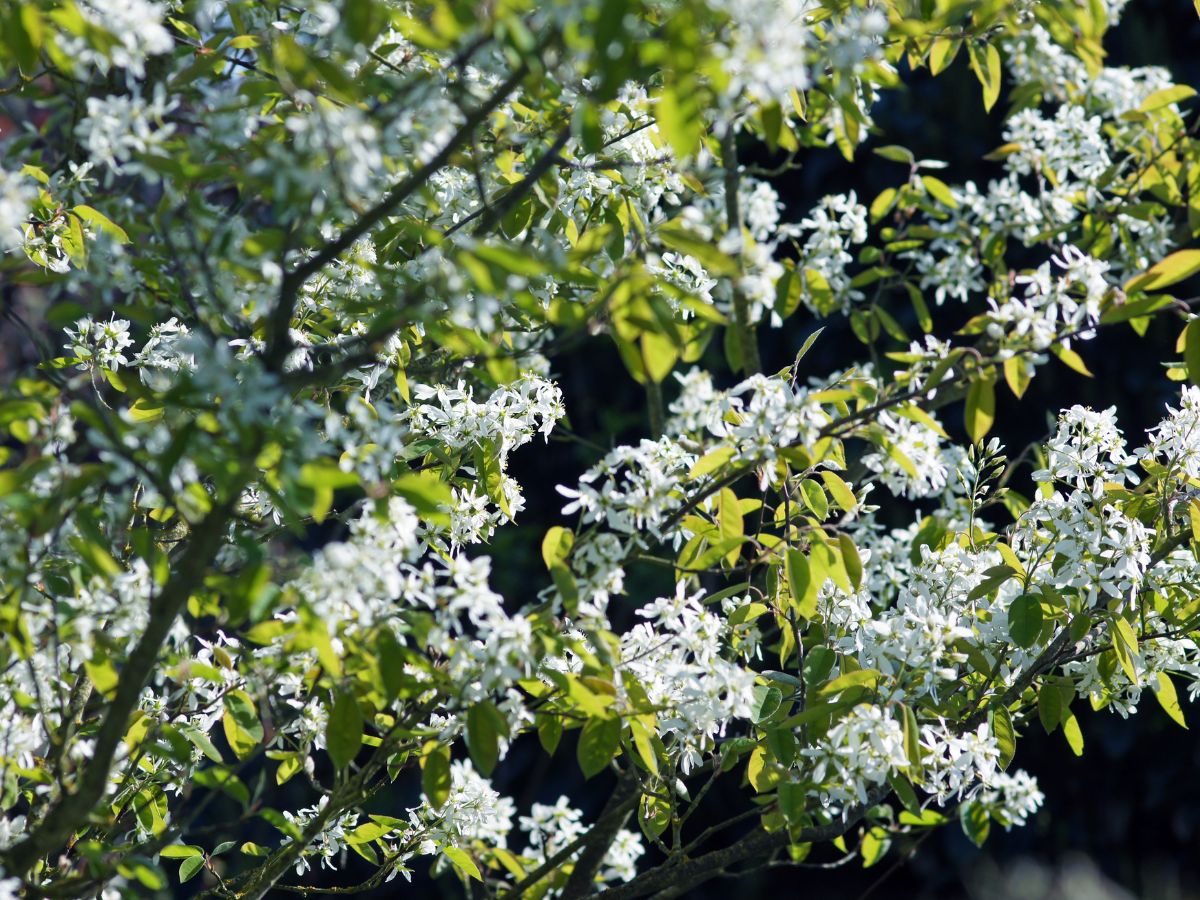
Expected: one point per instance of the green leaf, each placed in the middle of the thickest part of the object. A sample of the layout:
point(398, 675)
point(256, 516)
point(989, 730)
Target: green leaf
point(679, 121)
point(323, 478)
point(1016, 376)
point(883, 203)
point(767, 700)
point(912, 738)
point(1125, 645)
point(940, 191)
point(428, 494)
point(980, 410)
point(1025, 620)
point(793, 801)
point(941, 54)
point(435, 775)
point(491, 476)
point(144, 410)
point(839, 490)
point(1191, 350)
point(549, 732)
point(1166, 97)
point(659, 355)
point(1072, 359)
point(564, 582)
point(242, 727)
point(896, 153)
point(807, 345)
point(654, 815)
point(860, 678)
point(644, 745)
point(1072, 733)
point(289, 767)
point(598, 743)
point(462, 862)
point(1168, 699)
point(729, 516)
point(802, 585)
point(905, 793)
point(710, 462)
point(102, 222)
point(851, 561)
point(1168, 271)
point(814, 497)
point(344, 731)
point(557, 545)
point(874, 846)
point(190, 868)
point(985, 64)
point(927, 818)
point(1049, 706)
point(485, 724)
point(180, 851)
point(975, 823)
point(1006, 735)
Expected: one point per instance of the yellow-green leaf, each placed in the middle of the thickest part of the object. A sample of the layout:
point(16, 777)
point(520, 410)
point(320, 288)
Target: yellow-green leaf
point(986, 65)
point(1168, 699)
point(839, 490)
point(102, 222)
point(802, 585)
point(557, 545)
point(1168, 271)
point(980, 410)
point(243, 730)
point(1072, 733)
point(1125, 645)
point(462, 862)
point(598, 743)
point(1191, 350)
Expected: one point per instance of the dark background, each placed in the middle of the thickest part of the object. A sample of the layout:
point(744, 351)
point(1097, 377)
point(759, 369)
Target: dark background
point(1123, 820)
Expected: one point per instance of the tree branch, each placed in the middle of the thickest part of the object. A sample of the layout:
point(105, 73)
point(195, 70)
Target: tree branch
point(686, 874)
point(281, 317)
point(74, 808)
point(751, 364)
point(600, 838)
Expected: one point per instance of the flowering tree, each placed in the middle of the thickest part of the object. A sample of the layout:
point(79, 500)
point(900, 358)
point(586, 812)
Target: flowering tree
point(292, 279)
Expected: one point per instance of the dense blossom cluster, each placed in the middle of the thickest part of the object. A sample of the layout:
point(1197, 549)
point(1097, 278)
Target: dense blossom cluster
point(301, 280)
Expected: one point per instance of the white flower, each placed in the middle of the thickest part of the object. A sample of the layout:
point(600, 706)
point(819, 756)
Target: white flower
point(119, 127)
point(1176, 439)
point(100, 343)
point(920, 445)
point(17, 195)
point(136, 29)
point(766, 53)
point(859, 751)
point(1070, 145)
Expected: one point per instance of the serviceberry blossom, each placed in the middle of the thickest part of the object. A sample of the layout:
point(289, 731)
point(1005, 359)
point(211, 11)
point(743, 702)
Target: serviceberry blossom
point(766, 54)
point(835, 225)
point(1087, 449)
point(135, 29)
point(1175, 441)
point(321, 273)
point(676, 656)
point(1054, 308)
point(910, 463)
point(120, 128)
point(100, 344)
point(17, 195)
point(858, 753)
